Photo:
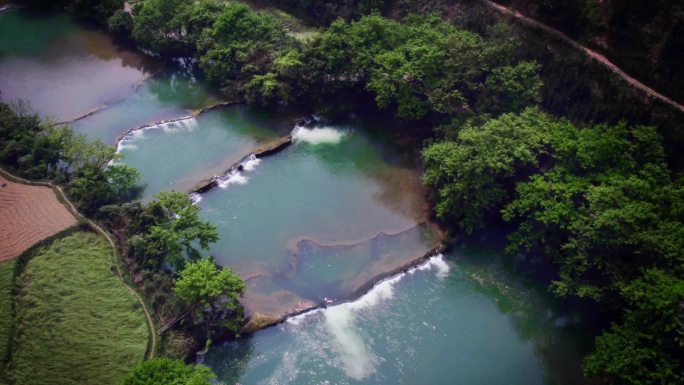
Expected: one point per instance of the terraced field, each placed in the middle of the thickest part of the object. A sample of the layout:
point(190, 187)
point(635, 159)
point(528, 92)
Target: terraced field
point(28, 214)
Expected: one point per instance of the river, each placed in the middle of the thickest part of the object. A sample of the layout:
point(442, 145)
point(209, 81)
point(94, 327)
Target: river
point(326, 224)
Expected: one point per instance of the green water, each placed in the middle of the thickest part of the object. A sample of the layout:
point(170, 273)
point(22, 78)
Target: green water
point(436, 325)
point(318, 220)
point(175, 156)
point(316, 223)
point(169, 94)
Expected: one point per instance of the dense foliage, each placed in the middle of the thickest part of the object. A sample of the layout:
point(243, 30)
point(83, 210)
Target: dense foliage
point(163, 371)
point(213, 295)
point(6, 313)
point(120, 24)
point(645, 38)
point(646, 347)
point(167, 229)
point(422, 67)
point(167, 233)
point(38, 150)
point(323, 12)
point(600, 205)
point(96, 11)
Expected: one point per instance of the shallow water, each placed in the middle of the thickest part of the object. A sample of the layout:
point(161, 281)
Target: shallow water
point(319, 220)
point(169, 94)
point(434, 325)
point(175, 156)
point(63, 70)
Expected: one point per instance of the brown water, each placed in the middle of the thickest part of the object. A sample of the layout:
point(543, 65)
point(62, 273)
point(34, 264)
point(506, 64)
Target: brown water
point(61, 70)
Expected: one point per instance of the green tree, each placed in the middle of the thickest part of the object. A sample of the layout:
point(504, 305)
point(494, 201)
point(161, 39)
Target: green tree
point(167, 229)
point(512, 88)
point(607, 208)
point(164, 371)
point(648, 346)
point(93, 188)
point(213, 295)
point(240, 44)
point(158, 26)
point(278, 85)
point(421, 67)
point(120, 24)
point(80, 153)
point(596, 202)
point(95, 10)
point(474, 176)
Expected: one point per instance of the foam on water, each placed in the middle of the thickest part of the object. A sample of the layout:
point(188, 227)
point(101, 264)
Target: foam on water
point(250, 163)
point(350, 348)
point(195, 198)
point(318, 135)
point(235, 177)
point(382, 290)
point(126, 146)
point(437, 262)
point(340, 320)
point(185, 124)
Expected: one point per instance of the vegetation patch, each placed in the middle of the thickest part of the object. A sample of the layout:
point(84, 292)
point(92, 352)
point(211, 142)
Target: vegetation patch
point(6, 284)
point(75, 323)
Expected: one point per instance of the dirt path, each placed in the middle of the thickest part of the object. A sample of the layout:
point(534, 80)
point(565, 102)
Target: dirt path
point(650, 92)
point(58, 190)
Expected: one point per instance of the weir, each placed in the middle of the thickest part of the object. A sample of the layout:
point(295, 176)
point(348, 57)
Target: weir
point(262, 151)
point(258, 321)
point(127, 134)
point(82, 116)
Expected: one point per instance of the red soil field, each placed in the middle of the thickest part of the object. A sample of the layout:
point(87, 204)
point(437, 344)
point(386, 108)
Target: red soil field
point(28, 214)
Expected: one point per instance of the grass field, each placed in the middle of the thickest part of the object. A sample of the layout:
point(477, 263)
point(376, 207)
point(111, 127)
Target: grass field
point(75, 323)
point(6, 283)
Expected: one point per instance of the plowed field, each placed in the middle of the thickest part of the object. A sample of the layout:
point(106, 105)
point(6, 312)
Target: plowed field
point(28, 214)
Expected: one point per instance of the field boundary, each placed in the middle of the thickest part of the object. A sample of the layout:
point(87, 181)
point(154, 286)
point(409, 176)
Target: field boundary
point(152, 343)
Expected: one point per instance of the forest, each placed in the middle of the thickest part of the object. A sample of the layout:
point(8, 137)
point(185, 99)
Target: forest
point(593, 203)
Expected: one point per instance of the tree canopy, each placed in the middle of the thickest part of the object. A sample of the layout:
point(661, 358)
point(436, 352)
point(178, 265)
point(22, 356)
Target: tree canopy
point(38, 150)
point(596, 202)
point(423, 66)
point(164, 371)
point(212, 293)
point(168, 229)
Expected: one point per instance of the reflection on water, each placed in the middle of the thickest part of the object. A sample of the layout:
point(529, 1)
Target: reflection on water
point(61, 69)
point(169, 94)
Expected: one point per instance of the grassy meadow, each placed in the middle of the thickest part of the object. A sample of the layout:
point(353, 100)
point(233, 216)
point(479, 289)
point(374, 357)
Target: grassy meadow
point(75, 322)
point(6, 283)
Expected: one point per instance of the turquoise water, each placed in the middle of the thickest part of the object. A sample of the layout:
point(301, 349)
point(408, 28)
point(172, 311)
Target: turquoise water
point(434, 325)
point(175, 156)
point(317, 221)
point(169, 94)
point(313, 225)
